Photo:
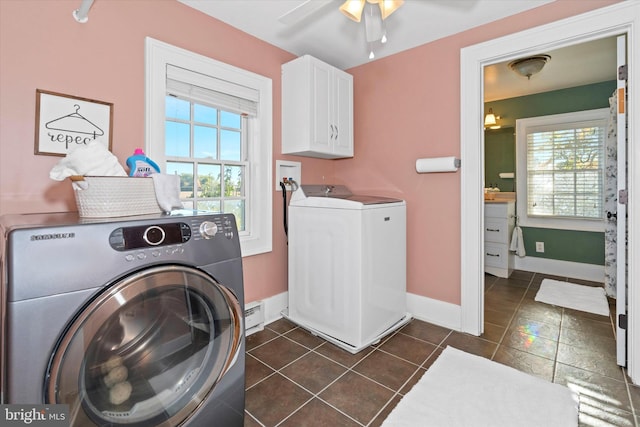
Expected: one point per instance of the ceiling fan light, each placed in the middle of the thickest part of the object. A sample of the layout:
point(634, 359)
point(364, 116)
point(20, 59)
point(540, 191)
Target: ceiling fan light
point(387, 7)
point(352, 9)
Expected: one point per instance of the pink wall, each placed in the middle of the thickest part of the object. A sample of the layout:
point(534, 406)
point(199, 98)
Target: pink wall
point(43, 47)
point(406, 107)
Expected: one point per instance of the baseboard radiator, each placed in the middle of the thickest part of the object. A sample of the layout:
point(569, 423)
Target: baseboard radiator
point(253, 317)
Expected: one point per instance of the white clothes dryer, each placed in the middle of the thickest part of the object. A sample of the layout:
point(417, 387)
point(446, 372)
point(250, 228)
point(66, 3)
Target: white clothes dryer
point(134, 321)
point(347, 265)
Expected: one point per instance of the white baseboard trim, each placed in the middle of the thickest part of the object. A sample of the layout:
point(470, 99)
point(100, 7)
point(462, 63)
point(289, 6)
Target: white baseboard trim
point(273, 307)
point(434, 311)
point(556, 267)
point(422, 308)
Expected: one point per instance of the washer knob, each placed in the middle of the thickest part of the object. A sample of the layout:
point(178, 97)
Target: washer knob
point(208, 229)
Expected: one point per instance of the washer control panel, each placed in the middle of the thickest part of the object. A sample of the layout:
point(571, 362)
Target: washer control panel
point(148, 236)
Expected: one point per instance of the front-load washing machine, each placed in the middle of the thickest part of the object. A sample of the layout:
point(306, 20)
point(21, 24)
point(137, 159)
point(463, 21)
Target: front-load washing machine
point(135, 321)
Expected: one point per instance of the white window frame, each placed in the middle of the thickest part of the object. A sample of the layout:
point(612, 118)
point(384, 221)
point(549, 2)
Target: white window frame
point(521, 185)
point(257, 238)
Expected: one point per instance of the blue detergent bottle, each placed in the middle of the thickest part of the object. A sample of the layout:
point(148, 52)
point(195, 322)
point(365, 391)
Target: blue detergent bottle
point(140, 165)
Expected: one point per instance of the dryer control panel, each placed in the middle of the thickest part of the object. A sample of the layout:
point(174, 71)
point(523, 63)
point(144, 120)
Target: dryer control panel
point(146, 236)
point(215, 225)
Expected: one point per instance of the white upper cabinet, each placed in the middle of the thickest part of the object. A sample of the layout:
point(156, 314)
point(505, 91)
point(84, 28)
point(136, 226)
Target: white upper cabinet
point(317, 109)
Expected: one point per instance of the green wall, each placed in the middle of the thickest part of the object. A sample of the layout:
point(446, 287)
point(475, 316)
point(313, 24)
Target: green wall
point(500, 156)
point(578, 98)
point(566, 245)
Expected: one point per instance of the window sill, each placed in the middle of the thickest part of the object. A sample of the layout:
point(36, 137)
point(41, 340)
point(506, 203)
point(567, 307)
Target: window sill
point(251, 247)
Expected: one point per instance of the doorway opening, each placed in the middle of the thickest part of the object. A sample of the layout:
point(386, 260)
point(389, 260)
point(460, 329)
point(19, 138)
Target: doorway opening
point(621, 18)
point(577, 81)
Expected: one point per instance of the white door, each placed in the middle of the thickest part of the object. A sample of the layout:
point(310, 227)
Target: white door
point(621, 265)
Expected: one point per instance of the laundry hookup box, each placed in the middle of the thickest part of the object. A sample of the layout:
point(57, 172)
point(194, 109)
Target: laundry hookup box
point(114, 196)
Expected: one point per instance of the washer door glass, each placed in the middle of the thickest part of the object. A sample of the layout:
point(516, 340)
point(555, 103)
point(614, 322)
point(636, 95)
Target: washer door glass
point(147, 350)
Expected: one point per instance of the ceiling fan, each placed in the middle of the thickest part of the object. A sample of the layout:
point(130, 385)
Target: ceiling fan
point(352, 9)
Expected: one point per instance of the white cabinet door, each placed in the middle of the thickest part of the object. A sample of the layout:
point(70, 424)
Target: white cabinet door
point(317, 109)
point(343, 114)
point(322, 114)
point(498, 227)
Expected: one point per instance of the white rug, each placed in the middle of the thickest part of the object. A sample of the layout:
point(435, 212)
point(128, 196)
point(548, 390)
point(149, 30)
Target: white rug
point(569, 295)
point(463, 390)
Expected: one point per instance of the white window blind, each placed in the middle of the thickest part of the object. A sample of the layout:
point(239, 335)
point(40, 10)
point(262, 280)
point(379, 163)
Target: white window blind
point(213, 91)
point(565, 170)
point(560, 170)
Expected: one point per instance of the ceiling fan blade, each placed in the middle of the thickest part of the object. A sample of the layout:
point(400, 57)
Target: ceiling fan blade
point(302, 11)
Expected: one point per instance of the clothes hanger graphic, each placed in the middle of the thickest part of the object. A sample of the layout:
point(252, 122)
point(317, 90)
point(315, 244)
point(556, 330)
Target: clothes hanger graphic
point(76, 123)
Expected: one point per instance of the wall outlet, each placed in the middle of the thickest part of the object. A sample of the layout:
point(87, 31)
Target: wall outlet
point(539, 246)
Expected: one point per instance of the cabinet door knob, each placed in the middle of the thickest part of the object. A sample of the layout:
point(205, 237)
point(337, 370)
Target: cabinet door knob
point(493, 229)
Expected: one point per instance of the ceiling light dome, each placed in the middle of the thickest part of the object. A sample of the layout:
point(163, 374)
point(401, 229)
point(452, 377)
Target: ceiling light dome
point(527, 67)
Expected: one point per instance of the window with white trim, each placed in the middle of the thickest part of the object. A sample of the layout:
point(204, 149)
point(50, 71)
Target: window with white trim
point(210, 123)
point(561, 170)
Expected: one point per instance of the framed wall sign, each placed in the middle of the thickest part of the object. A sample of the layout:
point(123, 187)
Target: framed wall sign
point(64, 121)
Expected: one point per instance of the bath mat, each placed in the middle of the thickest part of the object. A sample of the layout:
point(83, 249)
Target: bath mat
point(570, 295)
point(462, 390)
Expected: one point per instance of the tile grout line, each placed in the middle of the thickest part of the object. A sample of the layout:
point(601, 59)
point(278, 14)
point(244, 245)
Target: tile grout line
point(564, 321)
point(351, 369)
point(277, 371)
point(397, 392)
point(504, 334)
point(316, 395)
point(347, 370)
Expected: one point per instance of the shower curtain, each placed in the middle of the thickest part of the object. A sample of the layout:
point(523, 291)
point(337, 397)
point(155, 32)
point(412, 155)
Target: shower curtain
point(611, 197)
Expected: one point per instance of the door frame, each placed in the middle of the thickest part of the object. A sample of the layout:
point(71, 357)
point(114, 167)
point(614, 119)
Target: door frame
point(617, 19)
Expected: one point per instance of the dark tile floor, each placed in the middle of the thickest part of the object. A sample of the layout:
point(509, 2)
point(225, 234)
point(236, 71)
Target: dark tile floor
point(296, 379)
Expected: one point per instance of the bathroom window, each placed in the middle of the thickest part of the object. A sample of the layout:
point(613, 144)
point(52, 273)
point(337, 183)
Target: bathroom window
point(561, 170)
point(210, 123)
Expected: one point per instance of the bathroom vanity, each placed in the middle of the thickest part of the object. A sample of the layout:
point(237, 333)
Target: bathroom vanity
point(499, 221)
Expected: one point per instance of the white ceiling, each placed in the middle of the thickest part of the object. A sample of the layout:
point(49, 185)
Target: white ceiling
point(328, 35)
point(571, 66)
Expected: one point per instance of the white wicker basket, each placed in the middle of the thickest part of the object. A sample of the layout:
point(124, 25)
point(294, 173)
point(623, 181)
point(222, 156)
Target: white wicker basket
point(112, 196)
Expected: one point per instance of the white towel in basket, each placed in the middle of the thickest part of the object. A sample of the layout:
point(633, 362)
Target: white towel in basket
point(167, 191)
point(91, 159)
